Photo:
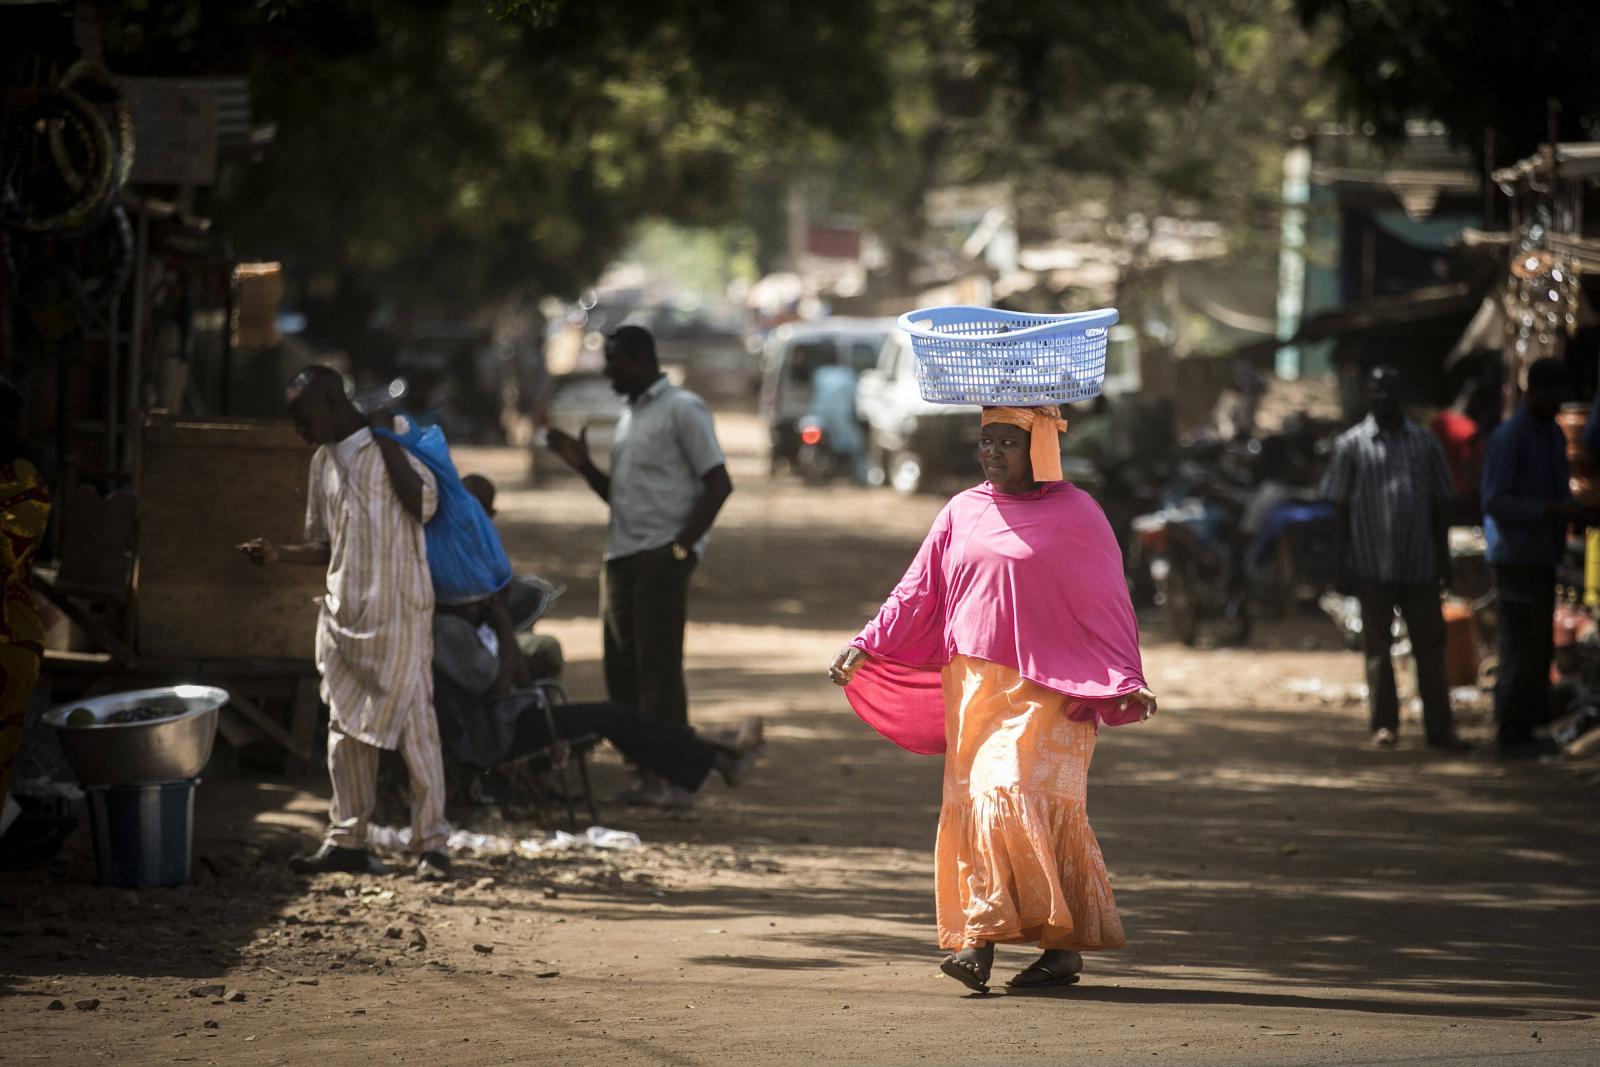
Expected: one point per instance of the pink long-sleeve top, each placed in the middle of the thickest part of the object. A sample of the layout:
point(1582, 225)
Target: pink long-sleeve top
point(1033, 582)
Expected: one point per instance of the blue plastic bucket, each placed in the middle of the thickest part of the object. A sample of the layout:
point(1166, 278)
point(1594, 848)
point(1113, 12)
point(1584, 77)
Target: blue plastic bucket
point(143, 834)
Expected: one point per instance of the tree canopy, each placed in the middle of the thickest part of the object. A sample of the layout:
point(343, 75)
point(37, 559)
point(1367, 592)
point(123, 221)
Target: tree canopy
point(1490, 65)
point(457, 149)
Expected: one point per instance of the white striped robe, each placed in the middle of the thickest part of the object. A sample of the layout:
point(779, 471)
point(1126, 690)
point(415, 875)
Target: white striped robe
point(375, 634)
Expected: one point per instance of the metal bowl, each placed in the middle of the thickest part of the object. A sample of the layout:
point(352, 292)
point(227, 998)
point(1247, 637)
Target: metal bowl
point(168, 749)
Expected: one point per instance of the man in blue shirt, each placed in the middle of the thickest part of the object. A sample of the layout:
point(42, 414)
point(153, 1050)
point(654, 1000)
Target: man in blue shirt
point(1527, 505)
point(833, 404)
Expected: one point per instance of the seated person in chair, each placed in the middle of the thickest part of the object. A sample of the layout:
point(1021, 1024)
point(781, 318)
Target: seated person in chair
point(542, 656)
point(484, 720)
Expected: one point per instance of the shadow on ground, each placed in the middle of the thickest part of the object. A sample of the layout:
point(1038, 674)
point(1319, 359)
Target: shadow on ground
point(1261, 857)
point(1256, 849)
point(56, 921)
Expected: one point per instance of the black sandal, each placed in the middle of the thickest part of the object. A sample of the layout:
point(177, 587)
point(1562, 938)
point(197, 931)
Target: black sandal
point(1050, 977)
point(966, 972)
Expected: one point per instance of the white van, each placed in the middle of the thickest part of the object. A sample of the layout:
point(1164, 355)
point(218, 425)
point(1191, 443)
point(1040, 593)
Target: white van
point(912, 444)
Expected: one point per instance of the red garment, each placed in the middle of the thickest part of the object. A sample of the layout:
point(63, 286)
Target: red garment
point(1463, 449)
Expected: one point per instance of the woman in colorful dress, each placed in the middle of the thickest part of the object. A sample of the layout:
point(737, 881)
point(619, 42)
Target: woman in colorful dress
point(24, 508)
point(1009, 641)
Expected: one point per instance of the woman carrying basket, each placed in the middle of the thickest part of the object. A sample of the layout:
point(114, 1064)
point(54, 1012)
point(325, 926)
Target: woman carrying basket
point(1008, 642)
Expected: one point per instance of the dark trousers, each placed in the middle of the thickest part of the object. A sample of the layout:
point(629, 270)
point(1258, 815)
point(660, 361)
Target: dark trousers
point(668, 750)
point(1419, 607)
point(1527, 600)
point(645, 601)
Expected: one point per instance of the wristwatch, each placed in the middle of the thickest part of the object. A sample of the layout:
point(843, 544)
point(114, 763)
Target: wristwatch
point(679, 553)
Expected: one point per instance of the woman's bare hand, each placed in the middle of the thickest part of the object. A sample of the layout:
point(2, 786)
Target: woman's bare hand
point(845, 664)
point(1143, 696)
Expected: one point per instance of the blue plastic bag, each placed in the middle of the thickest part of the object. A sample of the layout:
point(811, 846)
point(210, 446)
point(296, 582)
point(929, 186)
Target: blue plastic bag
point(465, 556)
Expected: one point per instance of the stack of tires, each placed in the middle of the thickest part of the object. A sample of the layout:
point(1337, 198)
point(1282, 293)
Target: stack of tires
point(66, 151)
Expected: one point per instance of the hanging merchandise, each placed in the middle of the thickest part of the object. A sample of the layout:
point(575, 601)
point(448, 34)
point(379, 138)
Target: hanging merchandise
point(1540, 302)
point(66, 149)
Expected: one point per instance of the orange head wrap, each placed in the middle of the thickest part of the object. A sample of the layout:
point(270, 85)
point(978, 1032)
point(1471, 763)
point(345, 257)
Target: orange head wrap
point(1042, 424)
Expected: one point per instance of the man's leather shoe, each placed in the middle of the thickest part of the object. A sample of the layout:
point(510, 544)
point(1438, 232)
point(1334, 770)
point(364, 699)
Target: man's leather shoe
point(331, 857)
point(434, 867)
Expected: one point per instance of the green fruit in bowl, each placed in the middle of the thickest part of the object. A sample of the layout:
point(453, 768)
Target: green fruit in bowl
point(82, 717)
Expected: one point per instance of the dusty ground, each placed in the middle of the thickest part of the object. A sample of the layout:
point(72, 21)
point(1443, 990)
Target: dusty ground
point(1290, 895)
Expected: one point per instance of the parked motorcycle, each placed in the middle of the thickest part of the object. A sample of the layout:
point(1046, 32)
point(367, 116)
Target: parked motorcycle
point(1195, 560)
point(1131, 489)
point(816, 461)
point(1294, 546)
point(1208, 581)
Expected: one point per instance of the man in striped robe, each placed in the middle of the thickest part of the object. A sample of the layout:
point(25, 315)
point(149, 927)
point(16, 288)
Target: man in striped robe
point(366, 505)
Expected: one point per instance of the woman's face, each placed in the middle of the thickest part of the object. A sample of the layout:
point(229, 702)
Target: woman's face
point(1003, 454)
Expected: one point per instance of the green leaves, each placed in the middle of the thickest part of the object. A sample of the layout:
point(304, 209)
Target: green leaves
point(456, 150)
point(1490, 64)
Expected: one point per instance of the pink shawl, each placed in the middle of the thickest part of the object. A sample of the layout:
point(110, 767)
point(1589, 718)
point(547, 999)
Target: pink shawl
point(1032, 582)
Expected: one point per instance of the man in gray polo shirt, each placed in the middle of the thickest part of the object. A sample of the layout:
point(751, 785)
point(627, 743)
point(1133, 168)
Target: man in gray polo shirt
point(667, 482)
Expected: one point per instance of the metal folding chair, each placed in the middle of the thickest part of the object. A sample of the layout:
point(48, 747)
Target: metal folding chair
point(556, 762)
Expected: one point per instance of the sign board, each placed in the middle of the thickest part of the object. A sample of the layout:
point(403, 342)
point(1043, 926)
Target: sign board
point(175, 131)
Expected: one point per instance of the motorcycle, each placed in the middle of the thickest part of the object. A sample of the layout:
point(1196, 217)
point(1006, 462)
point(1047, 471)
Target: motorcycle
point(1293, 553)
point(1195, 559)
point(816, 462)
point(1129, 490)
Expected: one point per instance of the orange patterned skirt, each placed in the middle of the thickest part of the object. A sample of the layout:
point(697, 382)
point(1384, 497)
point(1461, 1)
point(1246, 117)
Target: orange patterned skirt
point(1016, 861)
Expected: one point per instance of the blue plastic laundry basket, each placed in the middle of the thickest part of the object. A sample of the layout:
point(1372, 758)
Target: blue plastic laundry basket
point(973, 355)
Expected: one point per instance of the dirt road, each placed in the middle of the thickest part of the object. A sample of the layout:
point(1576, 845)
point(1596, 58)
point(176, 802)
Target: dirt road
point(1290, 895)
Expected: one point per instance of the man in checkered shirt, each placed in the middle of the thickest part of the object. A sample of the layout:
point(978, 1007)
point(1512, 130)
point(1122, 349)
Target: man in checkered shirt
point(1390, 483)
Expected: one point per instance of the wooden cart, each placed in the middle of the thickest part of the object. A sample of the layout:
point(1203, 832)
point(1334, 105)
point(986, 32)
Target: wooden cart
point(195, 609)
